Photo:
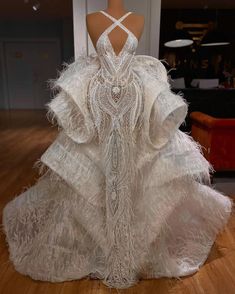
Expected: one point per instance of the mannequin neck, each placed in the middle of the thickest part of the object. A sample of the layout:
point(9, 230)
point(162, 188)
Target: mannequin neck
point(116, 6)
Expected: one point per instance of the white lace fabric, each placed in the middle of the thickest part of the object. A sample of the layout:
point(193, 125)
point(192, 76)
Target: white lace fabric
point(123, 193)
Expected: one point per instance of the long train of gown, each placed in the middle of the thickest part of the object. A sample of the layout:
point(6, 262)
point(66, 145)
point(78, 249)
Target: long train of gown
point(161, 218)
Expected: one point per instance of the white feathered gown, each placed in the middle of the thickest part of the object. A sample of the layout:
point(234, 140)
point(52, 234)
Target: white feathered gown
point(123, 194)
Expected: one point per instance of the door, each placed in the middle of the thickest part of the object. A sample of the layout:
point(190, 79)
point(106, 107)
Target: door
point(29, 66)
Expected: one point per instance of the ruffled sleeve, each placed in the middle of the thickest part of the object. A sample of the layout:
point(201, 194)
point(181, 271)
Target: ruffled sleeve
point(168, 112)
point(165, 111)
point(68, 109)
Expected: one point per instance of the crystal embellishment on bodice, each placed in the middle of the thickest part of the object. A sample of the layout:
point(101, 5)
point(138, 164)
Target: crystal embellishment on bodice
point(116, 104)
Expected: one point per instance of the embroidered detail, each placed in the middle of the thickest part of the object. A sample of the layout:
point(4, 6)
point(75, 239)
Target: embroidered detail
point(116, 104)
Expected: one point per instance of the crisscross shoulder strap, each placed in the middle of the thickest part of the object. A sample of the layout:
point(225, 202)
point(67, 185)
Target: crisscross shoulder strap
point(116, 22)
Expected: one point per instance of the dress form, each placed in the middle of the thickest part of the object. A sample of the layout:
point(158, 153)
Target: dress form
point(97, 23)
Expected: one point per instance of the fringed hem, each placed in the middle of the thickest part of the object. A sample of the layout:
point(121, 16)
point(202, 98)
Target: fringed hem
point(53, 238)
point(174, 227)
point(177, 237)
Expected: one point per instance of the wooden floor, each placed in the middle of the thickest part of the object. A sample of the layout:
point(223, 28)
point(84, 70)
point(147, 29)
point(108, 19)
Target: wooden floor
point(24, 136)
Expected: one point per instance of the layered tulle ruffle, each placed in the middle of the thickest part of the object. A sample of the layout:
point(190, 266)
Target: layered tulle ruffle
point(56, 229)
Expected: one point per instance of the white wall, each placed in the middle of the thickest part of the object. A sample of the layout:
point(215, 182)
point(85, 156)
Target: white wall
point(79, 27)
point(149, 42)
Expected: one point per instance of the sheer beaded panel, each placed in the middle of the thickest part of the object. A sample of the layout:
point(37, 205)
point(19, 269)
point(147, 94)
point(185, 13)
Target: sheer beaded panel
point(116, 103)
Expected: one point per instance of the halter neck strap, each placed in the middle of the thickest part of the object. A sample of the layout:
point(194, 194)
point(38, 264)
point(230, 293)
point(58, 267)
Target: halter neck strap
point(116, 22)
point(115, 19)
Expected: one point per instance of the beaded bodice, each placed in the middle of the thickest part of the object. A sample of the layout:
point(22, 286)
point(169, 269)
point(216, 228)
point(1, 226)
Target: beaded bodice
point(116, 64)
point(115, 86)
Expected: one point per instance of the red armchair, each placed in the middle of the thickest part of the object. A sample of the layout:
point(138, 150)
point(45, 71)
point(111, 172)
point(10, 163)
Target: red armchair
point(217, 135)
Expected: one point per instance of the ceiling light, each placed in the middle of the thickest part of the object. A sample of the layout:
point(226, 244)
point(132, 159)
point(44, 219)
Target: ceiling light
point(215, 38)
point(179, 38)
